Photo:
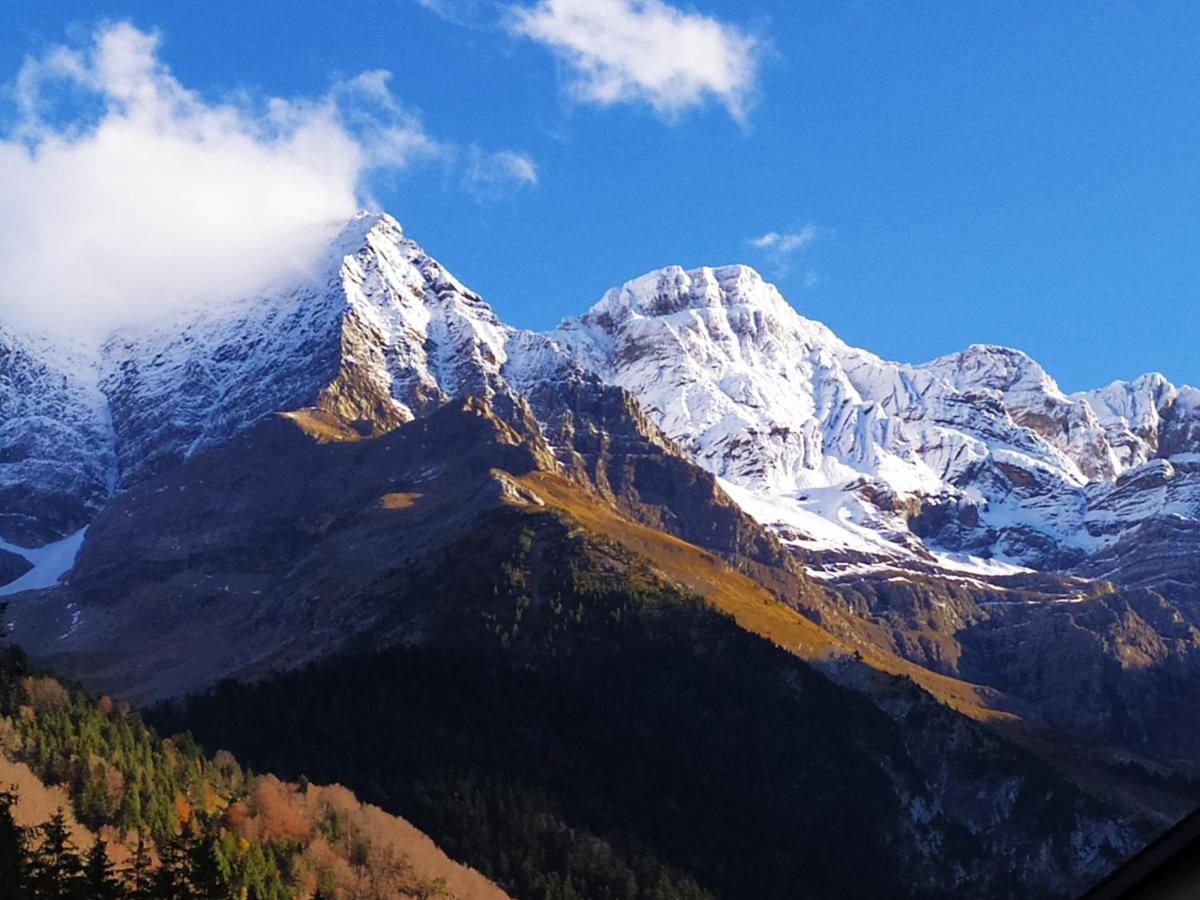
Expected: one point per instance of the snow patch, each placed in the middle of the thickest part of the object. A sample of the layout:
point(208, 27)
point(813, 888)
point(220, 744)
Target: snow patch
point(50, 563)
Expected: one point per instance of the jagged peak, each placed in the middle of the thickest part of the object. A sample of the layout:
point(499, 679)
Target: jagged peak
point(673, 288)
point(1155, 384)
point(356, 230)
point(380, 235)
point(982, 353)
point(364, 231)
point(1138, 402)
point(994, 367)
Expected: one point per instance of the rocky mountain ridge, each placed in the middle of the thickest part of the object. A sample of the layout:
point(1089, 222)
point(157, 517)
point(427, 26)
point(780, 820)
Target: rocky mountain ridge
point(975, 461)
point(699, 403)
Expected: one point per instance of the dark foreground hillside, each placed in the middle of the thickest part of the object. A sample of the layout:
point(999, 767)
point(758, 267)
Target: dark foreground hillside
point(93, 805)
point(573, 726)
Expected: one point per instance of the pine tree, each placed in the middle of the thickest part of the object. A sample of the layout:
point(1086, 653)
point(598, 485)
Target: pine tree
point(208, 880)
point(137, 872)
point(171, 877)
point(56, 872)
point(13, 869)
point(99, 878)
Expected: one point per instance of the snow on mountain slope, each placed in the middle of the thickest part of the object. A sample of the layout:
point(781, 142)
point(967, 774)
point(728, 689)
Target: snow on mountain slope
point(49, 563)
point(378, 334)
point(57, 461)
point(755, 392)
point(1147, 417)
point(843, 453)
point(975, 460)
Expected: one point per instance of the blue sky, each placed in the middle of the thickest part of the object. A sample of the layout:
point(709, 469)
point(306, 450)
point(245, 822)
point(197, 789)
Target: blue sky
point(934, 173)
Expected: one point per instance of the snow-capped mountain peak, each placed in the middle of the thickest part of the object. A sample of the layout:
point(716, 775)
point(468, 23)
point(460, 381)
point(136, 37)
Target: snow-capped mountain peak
point(724, 365)
point(977, 453)
point(996, 368)
point(838, 448)
point(673, 289)
point(375, 332)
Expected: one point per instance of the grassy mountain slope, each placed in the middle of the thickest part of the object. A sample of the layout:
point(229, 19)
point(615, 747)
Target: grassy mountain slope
point(750, 604)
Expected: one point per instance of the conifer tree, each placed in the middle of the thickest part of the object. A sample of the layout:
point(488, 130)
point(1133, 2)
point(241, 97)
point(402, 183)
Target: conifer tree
point(171, 877)
point(13, 869)
point(99, 877)
point(56, 872)
point(208, 880)
point(137, 872)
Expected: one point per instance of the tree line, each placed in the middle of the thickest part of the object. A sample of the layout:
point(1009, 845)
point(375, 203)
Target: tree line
point(44, 863)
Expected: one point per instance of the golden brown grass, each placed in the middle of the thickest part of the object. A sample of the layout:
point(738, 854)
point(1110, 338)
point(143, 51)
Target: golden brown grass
point(751, 605)
point(398, 500)
point(321, 426)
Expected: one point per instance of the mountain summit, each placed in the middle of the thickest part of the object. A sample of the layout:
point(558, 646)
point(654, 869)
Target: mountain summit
point(975, 460)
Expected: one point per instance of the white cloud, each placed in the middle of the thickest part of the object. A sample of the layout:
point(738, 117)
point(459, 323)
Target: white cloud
point(487, 175)
point(123, 194)
point(780, 247)
point(645, 51)
point(786, 242)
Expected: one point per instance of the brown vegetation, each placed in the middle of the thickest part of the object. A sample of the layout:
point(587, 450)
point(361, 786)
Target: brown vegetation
point(750, 604)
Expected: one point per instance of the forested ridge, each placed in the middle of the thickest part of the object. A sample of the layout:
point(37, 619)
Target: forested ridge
point(164, 819)
point(564, 720)
point(593, 732)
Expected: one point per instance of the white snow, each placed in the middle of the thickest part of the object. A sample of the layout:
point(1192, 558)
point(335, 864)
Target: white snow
point(977, 565)
point(76, 618)
point(825, 519)
point(829, 445)
point(50, 563)
point(806, 432)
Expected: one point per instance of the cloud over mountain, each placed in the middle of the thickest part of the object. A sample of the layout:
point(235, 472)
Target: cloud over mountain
point(124, 194)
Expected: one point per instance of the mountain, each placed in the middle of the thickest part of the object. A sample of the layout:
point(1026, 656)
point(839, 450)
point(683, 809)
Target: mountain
point(582, 694)
point(56, 445)
point(973, 462)
point(329, 477)
point(969, 516)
